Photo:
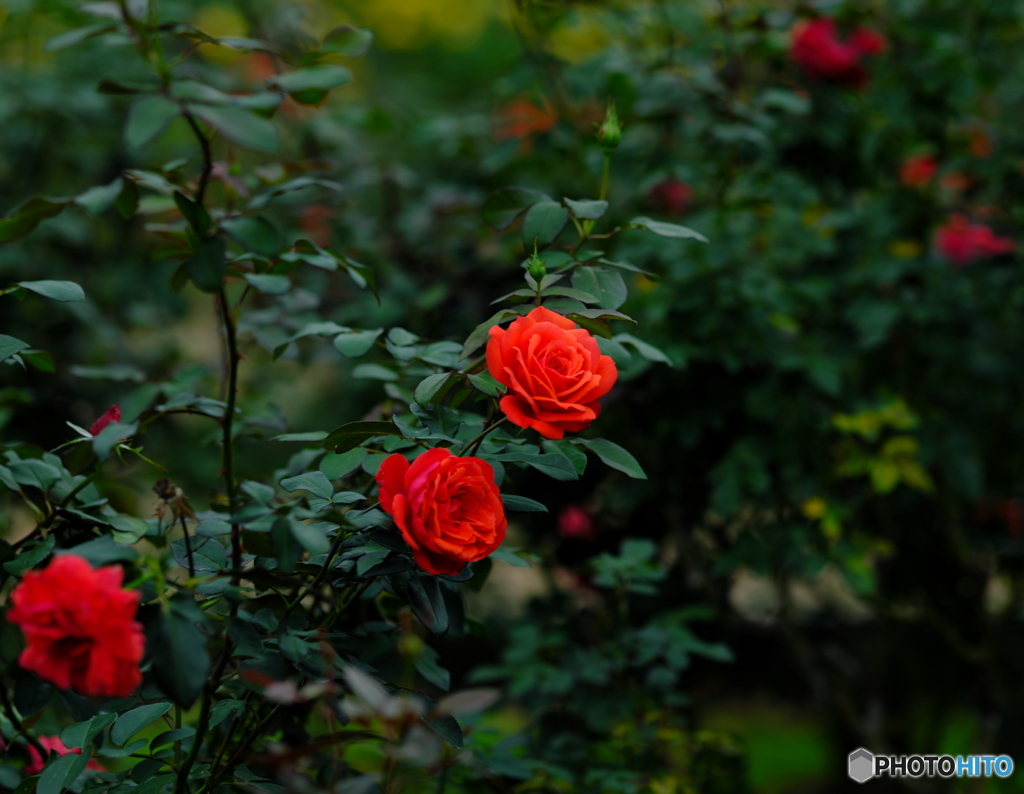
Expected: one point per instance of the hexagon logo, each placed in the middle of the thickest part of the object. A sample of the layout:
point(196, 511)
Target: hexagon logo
point(861, 765)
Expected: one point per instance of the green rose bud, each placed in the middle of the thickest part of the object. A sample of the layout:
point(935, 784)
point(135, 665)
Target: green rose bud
point(535, 267)
point(610, 132)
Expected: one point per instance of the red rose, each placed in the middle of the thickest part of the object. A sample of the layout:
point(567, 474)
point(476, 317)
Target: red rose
point(521, 119)
point(113, 414)
point(79, 627)
point(962, 242)
point(554, 372)
point(819, 52)
point(53, 744)
point(448, 508)
point(671, 196)
point(918, 170)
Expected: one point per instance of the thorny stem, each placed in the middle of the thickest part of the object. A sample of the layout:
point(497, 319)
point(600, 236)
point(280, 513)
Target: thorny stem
point(229, 415)
point(335, 548)
point(188, 550)
point(204, 142)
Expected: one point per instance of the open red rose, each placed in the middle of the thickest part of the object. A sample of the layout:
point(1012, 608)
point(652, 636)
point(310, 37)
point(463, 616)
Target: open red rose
point(816, 47)
point(79, 627)
point(53, 744)
point(554, 372)
point(447, 508)
point(962, 242)
point(671, 196)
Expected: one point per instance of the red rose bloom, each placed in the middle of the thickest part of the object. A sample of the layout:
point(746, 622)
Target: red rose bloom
point(113, 414)
point(962, 242)
point(79, 627)
point(554, 372)
point(521, 119)
point(671, 196)
point(447, 508)
point(575, 522)
point(918, 171)
point(53, 744)
point(819, 52)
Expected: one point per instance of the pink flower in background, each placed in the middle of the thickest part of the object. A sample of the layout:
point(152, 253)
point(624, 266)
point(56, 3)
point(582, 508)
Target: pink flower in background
point(962, 242)
point(575, 522)
point(818, 50)
point(52, 743)
point(113, 414)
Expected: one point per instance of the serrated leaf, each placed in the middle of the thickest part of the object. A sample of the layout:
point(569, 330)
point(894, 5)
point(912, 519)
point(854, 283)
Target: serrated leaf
point(314, 481)
point(269, 284)
point(309, 86)
point(521, 504)
point(208, 266)
point(351, 435)
point(433, 388)
point(335, 466)
point(180, 659)
point(605, 283)
point(100, 198)
point(60, 773)
point(428, 603)
point(255, 233)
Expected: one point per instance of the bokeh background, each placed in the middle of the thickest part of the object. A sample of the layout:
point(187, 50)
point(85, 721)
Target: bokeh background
point(827, 552)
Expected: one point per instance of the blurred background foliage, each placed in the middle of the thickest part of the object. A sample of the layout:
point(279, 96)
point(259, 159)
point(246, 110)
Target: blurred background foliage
point(828, 551)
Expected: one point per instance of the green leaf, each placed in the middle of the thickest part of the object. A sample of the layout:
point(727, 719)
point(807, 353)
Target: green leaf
point(576, 457)
point(335, 466)
point(127, 529)
point(110, 436)
point(180, 659)
point(315, 482)
point(312, 538)
point(347, 40)
point(479, 334)
point(64, 291)
point(351, 435)
point(76, 36)
point(649, 352)
point(356, 343)
point(148, 119)
point(558, 467)
point(486, 383)
point(312, 435)
point(241, 127)
point(433, 388)
point(62, 772)
point(613, 455)
point(428, 604)
point(100, 198)
point(82, 733)
point(255, 233)
point(31, 556)
point(521, 504)
point(543, 223)
point(605, 283)
point(501, 208)
point(309, 86)
point(586, 210)
point(208, 266)
point(269, 284)
point(663, 229)
point(9, 346)
point(198, 218)
point(131, 722)
point(104, 550)
point(29, 215)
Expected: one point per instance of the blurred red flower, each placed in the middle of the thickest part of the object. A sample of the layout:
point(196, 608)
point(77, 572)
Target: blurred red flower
point(53, 744)
point(522, 118)
point(962, 242)
point(918, 170)
point(816, 47)
point(112, 414)
point(80, 628)
point(671, 196)
point(575, 522)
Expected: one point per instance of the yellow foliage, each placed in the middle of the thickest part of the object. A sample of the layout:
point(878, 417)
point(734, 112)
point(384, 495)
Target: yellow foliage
point(411, 24)
point(221, 21)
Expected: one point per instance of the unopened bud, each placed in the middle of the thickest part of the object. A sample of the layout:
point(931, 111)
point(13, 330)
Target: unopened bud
point(609, 134)
point(535, 267)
